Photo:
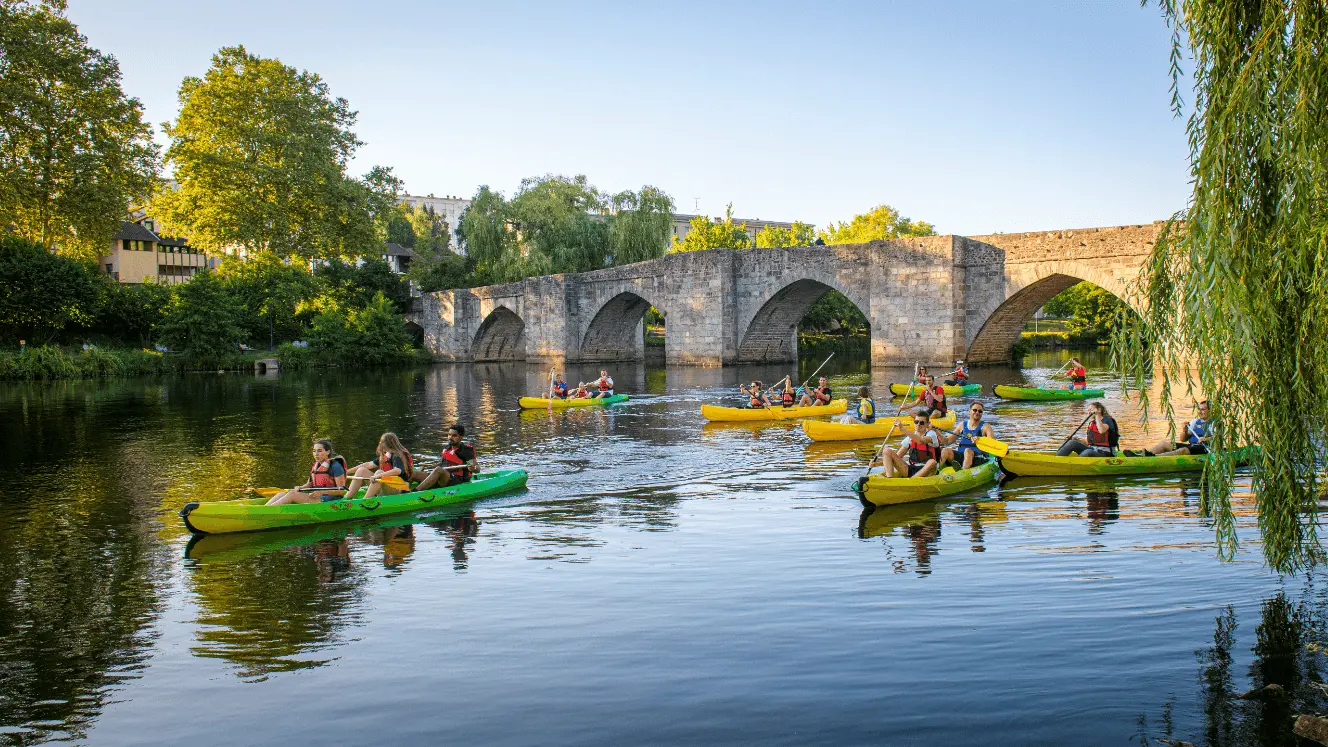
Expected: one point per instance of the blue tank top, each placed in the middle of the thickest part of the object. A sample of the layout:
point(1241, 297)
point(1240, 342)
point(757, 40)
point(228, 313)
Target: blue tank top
point(1200, 428)
point(966, 434)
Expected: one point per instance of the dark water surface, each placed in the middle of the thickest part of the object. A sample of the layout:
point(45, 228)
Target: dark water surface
point(661, 581)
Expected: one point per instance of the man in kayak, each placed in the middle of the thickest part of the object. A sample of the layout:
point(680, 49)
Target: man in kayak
point(1102, 438)
point(327, 479)
point(931, 400)
point(457, 462)
point(604, 383)
point(922, 448)
point(966, 434)
point(865, 412)
point(559, 387)
point(1078, 375)
point(1194, 437)
point(960, 375)
point(821, 395)
point(756, 397)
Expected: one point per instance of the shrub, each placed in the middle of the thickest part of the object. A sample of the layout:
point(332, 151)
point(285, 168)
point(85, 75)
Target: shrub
point(44, 292)
point(202, 322)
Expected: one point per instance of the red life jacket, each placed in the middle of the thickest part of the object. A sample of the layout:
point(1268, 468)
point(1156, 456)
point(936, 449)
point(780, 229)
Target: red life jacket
point(920, 450)
point(756, 401)
point(787, 398)
point(449, 456)
point(821, 397)
point(936, 399)
point(385, 463)
point(1096, 438)
point(1079, 375)
point(560, 390)
point(320, 475)
point(604, 384)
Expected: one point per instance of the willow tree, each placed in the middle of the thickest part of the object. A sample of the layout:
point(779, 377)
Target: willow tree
point(1235, 293)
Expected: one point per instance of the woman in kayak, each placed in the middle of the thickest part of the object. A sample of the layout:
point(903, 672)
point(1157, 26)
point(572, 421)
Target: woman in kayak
point(1101, 440)
point(327, 479)
point(821, 395)
point(966, 434)
point(960, 374)
point(393, 461)
point(756, 397)
point(931, 400)
point(922, 448)
point(787, 398)
point(865, 412)
point(1194, 437)
point(1078, 375)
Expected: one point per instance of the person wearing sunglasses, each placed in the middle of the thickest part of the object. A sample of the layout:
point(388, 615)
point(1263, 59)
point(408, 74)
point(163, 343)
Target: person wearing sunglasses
point(1194, 437)
point(966, 433)
point(917, 456)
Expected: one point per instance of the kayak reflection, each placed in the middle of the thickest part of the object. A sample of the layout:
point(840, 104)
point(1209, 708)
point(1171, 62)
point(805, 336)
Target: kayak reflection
point(919, 524)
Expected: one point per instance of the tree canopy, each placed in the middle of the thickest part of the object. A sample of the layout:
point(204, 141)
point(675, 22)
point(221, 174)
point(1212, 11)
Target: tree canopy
point(74, 150)
point(881, 222)
point(260, 152)
point(706, 233)
point(774, 237)
point(1235, 293)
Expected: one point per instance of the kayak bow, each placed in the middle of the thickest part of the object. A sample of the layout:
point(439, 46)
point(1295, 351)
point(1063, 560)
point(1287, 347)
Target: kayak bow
point(885, 491)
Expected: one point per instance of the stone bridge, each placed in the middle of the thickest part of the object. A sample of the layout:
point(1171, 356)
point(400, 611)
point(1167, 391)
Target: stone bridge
point(931, 298)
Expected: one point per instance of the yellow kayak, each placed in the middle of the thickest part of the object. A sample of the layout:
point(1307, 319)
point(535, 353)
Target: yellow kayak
point(1025, 463)
point(818, 430)
point(718, 414)
point(542, 403)
point(885, 491)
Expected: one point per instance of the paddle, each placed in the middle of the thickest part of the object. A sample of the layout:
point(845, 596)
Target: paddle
point(551, 377)
point(911, 384)
point(880, 450)
point(992, 446)
point(391, 481)
point(1075, 431)
point(818, 370)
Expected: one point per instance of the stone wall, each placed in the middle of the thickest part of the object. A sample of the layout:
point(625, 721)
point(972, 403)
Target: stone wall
point(929, 299)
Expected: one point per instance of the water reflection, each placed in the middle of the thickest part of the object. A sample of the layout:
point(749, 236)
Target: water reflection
point(1284, 676)
point(90, 560)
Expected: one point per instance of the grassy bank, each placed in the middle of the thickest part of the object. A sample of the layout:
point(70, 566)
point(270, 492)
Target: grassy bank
point(52, 362)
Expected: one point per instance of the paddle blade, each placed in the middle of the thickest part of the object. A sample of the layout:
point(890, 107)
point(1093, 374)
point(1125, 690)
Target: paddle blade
point(992, 446)
point(270, 492)
point(394, 482)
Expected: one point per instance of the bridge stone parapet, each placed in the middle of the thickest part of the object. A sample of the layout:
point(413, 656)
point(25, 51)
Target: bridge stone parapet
point(928, 299)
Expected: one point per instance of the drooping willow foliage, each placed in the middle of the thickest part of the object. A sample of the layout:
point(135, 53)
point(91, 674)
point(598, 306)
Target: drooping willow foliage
point(1235, 293)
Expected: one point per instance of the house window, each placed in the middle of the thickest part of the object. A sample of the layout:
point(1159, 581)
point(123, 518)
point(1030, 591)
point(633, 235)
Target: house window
point(110, 268)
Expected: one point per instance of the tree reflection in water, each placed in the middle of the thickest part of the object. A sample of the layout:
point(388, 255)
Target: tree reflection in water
point(1284, 679)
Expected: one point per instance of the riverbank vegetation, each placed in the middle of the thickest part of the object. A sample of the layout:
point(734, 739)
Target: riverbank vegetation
point(346, 313)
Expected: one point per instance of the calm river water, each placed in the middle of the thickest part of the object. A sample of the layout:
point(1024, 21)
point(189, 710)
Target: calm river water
point(661, 581)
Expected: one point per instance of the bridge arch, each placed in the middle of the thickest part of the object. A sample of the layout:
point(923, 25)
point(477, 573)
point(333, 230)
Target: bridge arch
point(1027, 290)
point(501, 337)
point(615, 332)
point(772, 333)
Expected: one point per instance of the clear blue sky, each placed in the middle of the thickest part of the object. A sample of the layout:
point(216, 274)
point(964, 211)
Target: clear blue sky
point(977, 116)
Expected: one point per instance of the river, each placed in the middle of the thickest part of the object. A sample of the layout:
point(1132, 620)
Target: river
point(662, 580)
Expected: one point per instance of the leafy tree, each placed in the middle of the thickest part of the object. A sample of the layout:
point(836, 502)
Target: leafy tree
point(131, 313)
point(556, 230)
point(640, 226)
point(834, 313)
point(399, 228)
point(202, 320)
point(374, 334)
point(44, 293)
point(354, 284)
point(269, 290)
point(74, 150)
point(1092, 311)
point(439, 271)
point(431, 233)
point(491, 245)
point(774, 237)
point(881, 222)
point(1234, 292)
point(713, 234)
point(260, 151)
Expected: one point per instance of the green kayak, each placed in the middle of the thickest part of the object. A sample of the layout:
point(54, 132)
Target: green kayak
point(252, 515)
point(1042, 394)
